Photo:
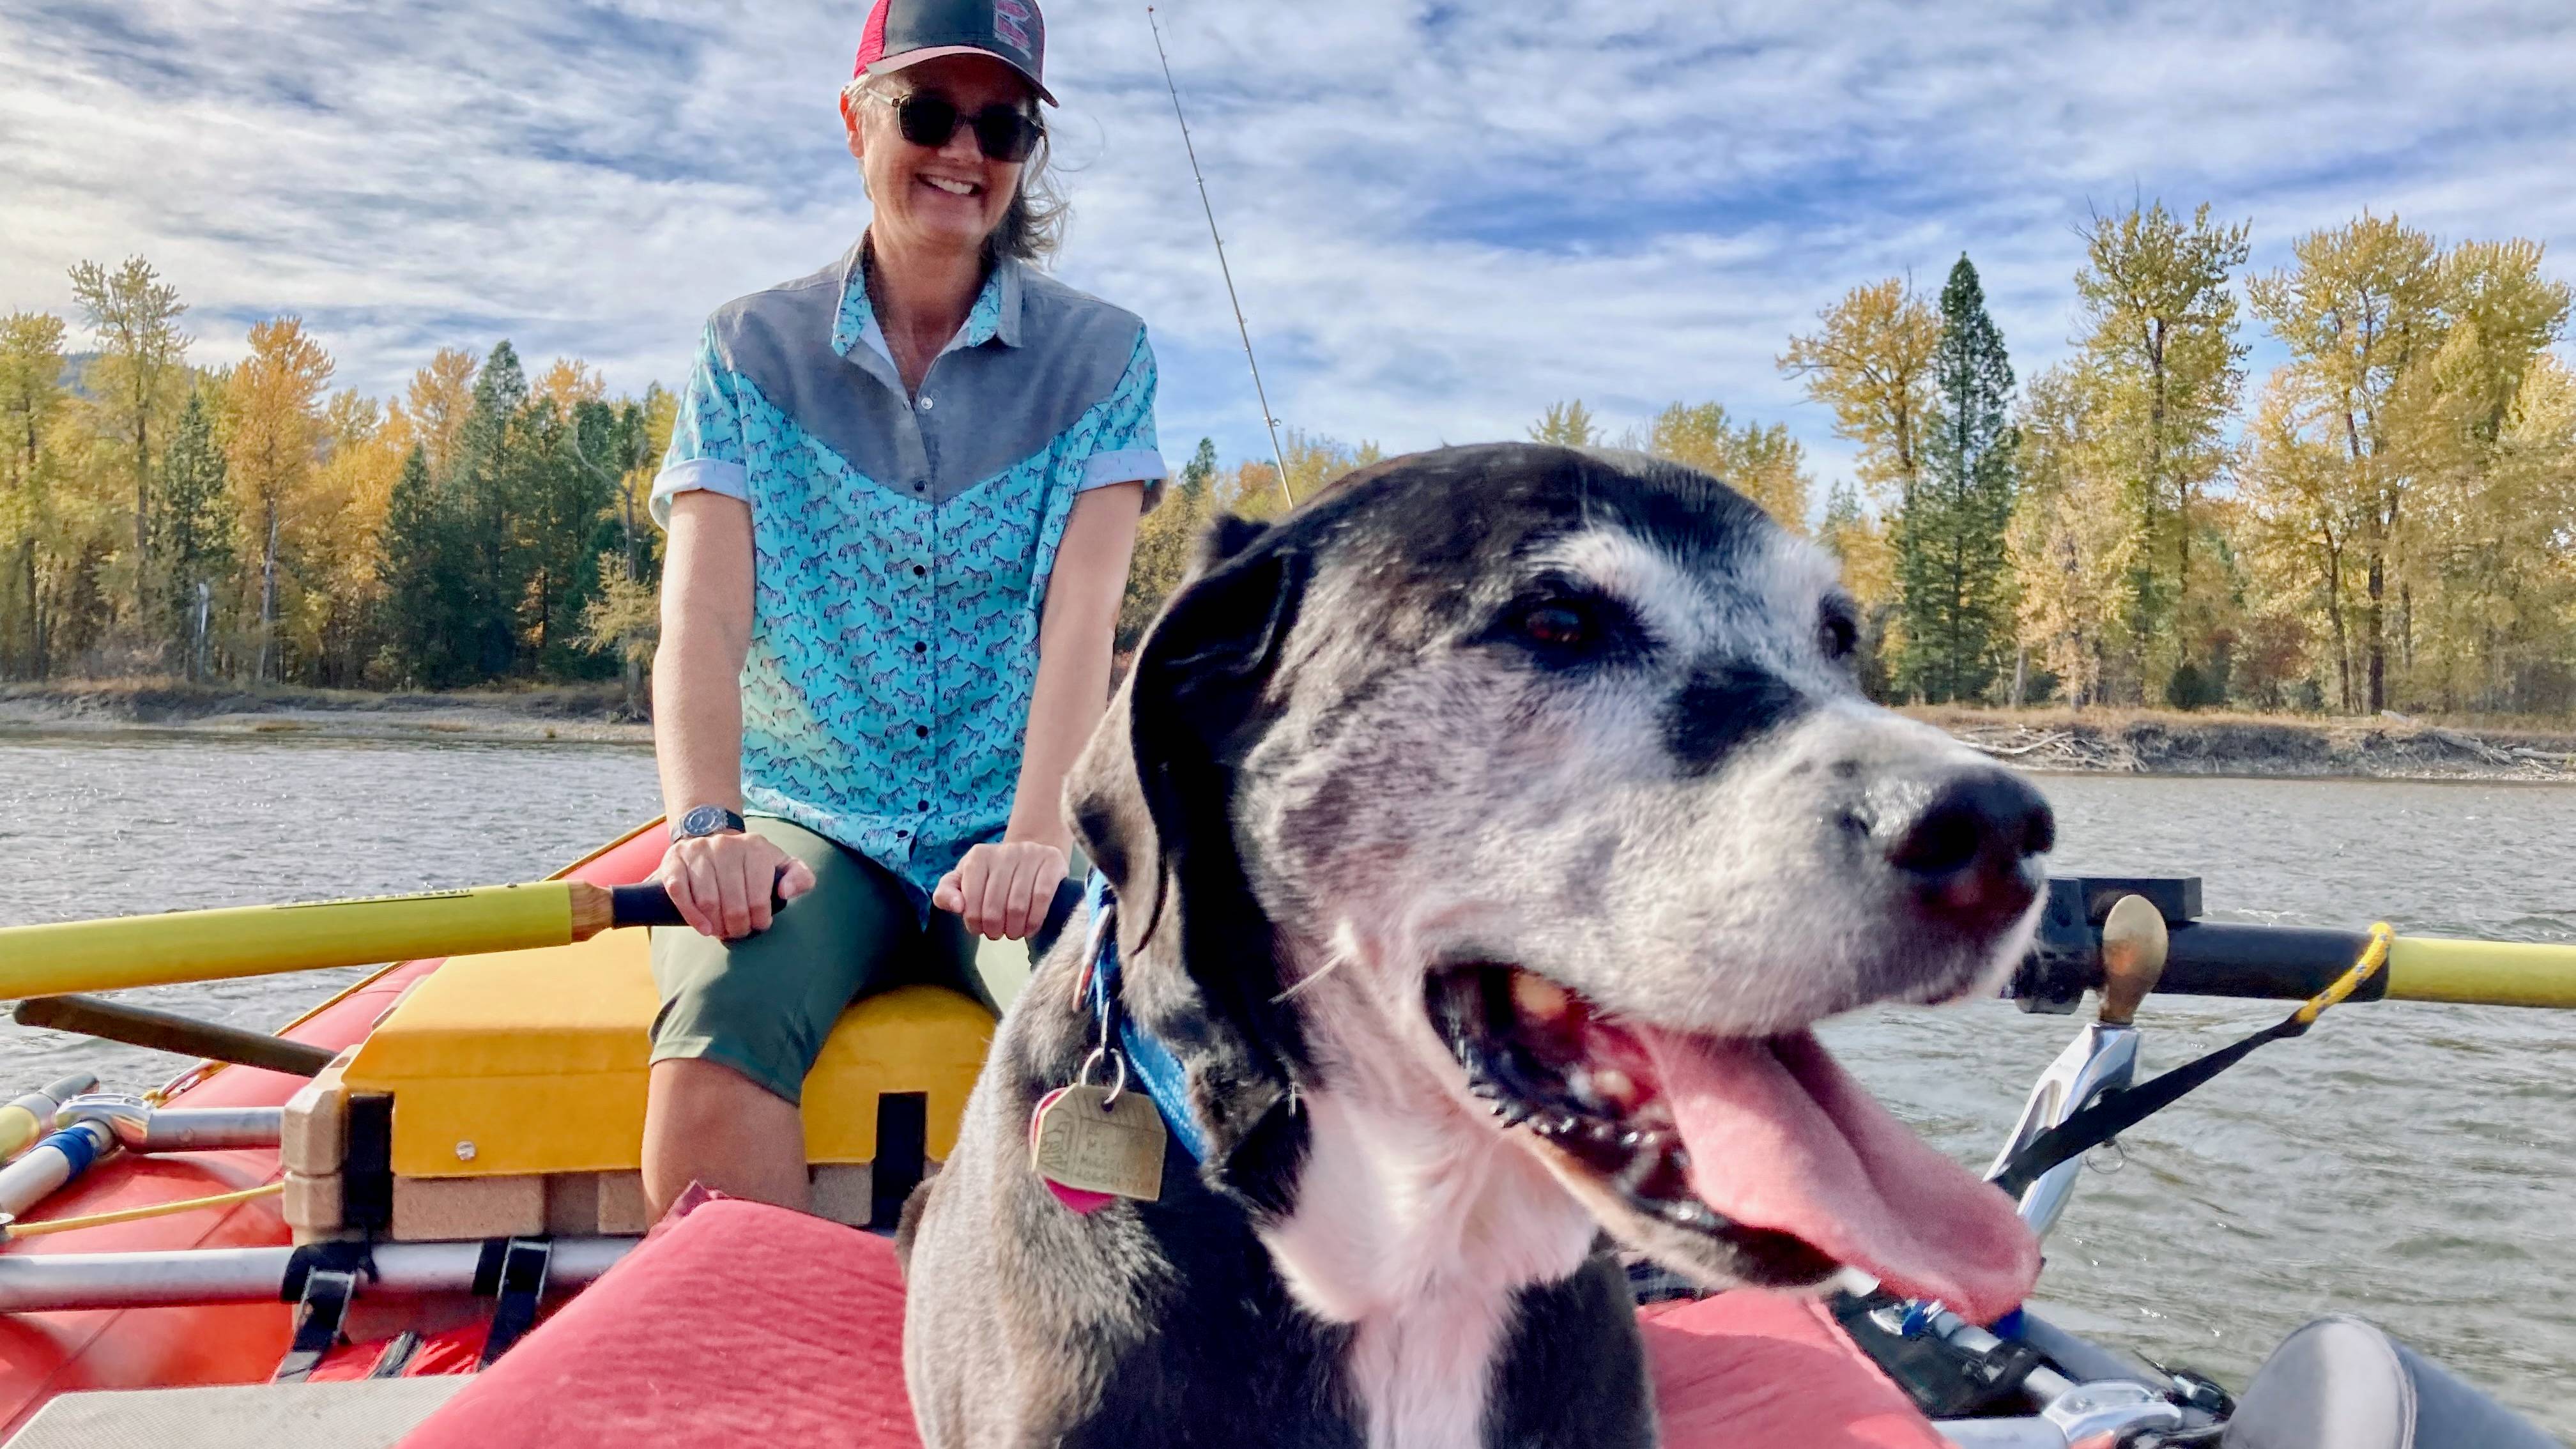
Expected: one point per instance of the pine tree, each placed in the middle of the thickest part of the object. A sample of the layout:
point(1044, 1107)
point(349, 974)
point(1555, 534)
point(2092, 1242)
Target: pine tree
point(485, 488)
point(1199, 472)
point(1954, 574)
point(193, 546)
point(422, 578)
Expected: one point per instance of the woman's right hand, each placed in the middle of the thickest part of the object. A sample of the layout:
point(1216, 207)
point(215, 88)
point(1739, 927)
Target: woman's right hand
point(722, 883)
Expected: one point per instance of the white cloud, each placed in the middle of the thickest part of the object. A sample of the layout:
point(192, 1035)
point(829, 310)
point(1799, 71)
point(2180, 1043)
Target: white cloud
point(1441, 216)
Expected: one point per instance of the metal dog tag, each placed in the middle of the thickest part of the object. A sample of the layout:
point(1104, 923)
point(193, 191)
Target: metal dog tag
point(1082, 1141)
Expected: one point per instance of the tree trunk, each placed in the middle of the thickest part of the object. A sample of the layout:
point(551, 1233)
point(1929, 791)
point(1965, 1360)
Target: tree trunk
point(2021, 673)
point(2334, 611)
point(267, 596)
point(142, 516)
point(2374, 639)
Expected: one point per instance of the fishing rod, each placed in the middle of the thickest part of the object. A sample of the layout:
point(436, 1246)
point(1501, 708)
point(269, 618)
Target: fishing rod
point(1241, 328)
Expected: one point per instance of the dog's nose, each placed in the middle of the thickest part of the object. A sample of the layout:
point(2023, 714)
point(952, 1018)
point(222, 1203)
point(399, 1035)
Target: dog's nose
point(1966, 844)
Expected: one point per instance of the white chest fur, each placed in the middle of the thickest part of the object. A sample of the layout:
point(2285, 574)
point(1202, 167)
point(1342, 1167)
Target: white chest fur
point(1416, 1224)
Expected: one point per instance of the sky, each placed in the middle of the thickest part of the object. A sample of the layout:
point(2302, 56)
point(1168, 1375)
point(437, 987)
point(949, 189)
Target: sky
point(1441, 217)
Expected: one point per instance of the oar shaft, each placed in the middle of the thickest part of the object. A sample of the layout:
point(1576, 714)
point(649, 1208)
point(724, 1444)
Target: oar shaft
point(130, 951)
point(2492, 973)
point(168, 1032)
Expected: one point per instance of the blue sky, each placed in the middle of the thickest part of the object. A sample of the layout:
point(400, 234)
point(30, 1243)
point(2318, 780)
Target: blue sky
point(1442, 216)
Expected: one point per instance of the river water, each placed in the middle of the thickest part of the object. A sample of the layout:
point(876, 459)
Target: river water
point(2412, 1163)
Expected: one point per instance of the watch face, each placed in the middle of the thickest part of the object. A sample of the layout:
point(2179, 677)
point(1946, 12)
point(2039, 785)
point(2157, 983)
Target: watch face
point(705, 820)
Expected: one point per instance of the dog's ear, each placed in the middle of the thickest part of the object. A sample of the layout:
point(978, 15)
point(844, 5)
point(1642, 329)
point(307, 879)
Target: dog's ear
point(1153, 773)
point(1151, 800)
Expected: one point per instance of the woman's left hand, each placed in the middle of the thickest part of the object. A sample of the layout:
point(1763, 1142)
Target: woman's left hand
point(1003, 890)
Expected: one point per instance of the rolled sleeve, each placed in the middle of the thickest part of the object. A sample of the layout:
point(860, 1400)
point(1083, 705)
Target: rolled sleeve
point(1124, 449)
point(706, 449)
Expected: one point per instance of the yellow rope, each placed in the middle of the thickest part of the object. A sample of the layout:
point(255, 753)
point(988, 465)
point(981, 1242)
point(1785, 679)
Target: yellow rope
point(128, 1215)
point(2373, 956)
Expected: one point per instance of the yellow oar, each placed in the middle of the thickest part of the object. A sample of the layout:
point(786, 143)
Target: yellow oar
point(2494, 973)
point(130, 951)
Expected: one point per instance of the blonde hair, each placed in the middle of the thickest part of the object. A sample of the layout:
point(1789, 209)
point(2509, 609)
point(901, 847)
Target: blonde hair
point(1032, 226)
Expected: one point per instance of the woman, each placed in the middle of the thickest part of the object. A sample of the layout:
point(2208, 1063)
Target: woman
point(901, 496)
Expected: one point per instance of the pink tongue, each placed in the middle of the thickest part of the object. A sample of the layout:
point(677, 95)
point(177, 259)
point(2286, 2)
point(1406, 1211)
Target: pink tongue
point(1781, 1137)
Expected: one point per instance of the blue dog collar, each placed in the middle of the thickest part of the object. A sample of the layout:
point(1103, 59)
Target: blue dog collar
point(1148, 1060)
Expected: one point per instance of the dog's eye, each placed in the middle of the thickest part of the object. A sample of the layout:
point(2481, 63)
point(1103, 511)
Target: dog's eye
point(1838, 634)
point(1556, 625)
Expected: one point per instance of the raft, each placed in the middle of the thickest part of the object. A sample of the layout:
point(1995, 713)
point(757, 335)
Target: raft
point(403, 1246)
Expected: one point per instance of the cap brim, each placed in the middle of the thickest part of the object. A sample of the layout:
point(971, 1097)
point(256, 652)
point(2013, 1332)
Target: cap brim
point(893, 63)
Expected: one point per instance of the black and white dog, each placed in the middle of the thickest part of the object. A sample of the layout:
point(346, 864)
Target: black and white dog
point(1486, 834)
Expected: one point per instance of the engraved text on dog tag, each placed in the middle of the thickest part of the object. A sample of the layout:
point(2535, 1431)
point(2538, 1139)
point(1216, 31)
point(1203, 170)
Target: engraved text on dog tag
point(1076, 1142)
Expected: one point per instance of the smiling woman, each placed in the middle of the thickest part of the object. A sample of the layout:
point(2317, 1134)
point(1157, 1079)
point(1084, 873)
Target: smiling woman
point(901, 494)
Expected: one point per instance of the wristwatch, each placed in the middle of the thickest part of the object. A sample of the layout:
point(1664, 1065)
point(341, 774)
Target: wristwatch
point(706, 820)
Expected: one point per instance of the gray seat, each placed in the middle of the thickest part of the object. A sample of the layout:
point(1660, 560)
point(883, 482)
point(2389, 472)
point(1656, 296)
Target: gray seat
point(2340, 1383)
point(366, 1414)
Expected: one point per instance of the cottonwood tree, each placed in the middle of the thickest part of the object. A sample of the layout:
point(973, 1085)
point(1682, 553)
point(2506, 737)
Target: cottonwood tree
point(1870, 361)
point(274, 399)
point(2163, 367)
point(138, 380)
point(1764, 464)
point(1568, 424)
point(1860, 546)
point(31, 398)
point(2400, 429)
point(2074, 546)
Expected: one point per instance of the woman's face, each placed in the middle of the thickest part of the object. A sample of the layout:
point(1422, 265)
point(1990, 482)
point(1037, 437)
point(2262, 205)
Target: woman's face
point(943, 198)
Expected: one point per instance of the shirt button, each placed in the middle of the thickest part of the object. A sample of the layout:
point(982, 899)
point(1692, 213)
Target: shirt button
point(918, 571)
point(923, 805)
point(922, 487)
point(922, 730)
point(903, 835)
point(925, 404)
point(920, 648)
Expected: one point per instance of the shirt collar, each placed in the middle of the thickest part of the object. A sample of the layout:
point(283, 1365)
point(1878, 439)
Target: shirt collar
point(995, 317)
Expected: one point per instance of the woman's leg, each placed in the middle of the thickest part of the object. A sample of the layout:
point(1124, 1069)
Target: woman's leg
point(742, 1021)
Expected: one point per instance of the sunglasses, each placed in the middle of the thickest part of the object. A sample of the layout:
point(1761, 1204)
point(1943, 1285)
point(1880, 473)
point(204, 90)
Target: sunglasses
point(1004, 132)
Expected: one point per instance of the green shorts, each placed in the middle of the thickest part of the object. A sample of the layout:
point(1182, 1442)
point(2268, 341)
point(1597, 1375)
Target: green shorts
point(764, 1004)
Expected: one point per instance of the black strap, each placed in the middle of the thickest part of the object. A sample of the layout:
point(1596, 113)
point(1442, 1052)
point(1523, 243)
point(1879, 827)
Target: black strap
point(522, 1283)
point(2117, 1112)
point(318, 1316)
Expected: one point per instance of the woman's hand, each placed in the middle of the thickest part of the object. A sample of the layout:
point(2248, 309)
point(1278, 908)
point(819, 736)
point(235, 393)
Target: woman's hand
point(1003, 890)
point(722, 883)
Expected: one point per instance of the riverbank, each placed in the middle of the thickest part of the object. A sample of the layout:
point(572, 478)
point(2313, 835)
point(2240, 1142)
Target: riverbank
point(2056, 741)
point(2145, 743)
point(579, 714)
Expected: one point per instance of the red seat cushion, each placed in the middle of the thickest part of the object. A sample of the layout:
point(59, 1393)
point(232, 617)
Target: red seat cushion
point(745, 1325)
point(739, 1324)
point(1750, 1370)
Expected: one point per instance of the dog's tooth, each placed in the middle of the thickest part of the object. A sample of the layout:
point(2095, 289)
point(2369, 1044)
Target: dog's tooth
point(1538, 998)
point(1615, 1087)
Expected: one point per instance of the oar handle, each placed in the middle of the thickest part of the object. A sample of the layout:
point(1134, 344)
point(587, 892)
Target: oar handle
point(637, 905)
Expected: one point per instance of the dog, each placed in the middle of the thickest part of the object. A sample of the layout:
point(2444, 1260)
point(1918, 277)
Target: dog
point(1485, 835)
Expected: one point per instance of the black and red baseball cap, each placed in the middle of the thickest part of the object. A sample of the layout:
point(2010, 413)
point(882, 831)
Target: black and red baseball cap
point(906, 32)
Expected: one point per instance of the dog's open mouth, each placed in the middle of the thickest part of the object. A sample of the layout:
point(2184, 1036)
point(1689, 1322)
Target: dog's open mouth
point(1763, 1147)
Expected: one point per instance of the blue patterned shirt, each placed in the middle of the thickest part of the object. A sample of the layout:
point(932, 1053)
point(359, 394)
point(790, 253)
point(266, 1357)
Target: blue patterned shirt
point(901, 545)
